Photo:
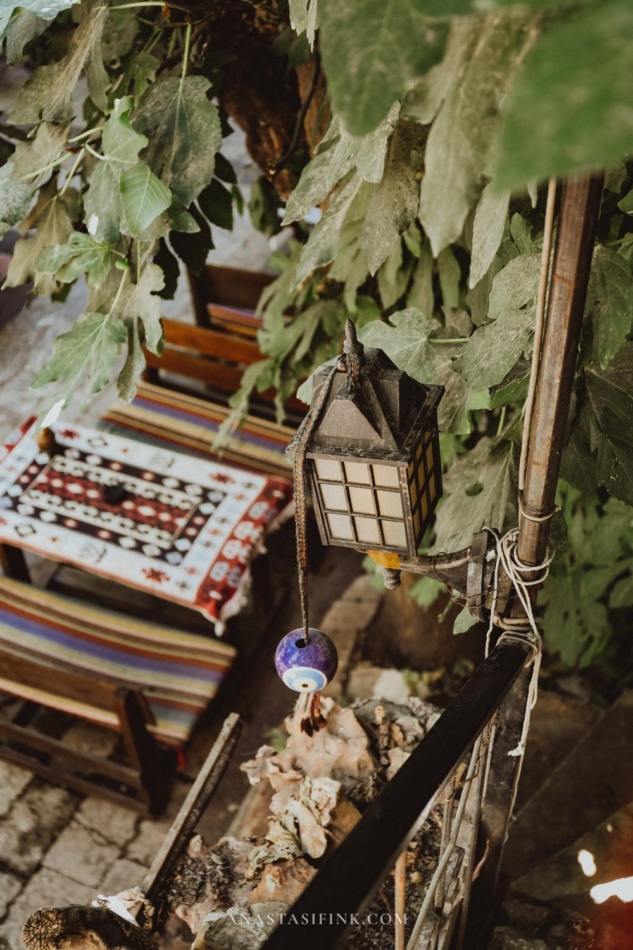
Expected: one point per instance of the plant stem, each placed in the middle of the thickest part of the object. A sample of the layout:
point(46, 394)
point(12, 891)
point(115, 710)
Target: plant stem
point(84, 135)
point(185, 57)
point(502, 419)
point(71, 173)
point(461, 339)
point(118, 294)
point(45, 168)
point(150, 3)
point(92, 151)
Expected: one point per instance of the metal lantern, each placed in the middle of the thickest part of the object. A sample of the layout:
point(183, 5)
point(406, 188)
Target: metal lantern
point(372, 459)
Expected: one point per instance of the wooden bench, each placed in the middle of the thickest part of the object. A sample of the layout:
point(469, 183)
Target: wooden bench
point(148, 683)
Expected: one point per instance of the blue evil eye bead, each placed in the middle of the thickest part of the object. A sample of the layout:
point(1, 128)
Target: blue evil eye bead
point(306, 667)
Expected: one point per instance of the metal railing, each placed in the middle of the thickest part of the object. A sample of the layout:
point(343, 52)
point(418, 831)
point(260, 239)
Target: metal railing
point(492, 702)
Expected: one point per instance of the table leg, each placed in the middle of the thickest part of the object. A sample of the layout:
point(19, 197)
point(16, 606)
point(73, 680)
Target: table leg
point(13, 563)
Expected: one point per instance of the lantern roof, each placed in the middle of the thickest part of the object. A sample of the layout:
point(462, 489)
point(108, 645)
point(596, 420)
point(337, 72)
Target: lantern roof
point(377, 412)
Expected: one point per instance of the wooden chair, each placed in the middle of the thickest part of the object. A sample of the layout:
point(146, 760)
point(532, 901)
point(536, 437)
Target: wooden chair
point(221, 345)
point(148, 683)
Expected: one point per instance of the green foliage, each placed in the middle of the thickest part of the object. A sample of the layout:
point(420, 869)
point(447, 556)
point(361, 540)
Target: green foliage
point(591, 577)
point(446, 117)
point(570, 110)
point(371, 50)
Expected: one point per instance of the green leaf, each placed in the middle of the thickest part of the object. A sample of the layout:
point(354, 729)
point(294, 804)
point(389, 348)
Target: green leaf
point(21, 30)
point(170, 268)
point(323, 243)
point(488, 228)
point(460, 149)
point(427, 94)
point(44, 9)
point(216, 203)
point(464, 621)
point(304, 17)
point(450, 275)
point(393, 277)
point(120, 145)
point(143, 198)
point(570, 108)
point(492, 351)
point(88, 350)
point(48, 93)
point(609, 303)
point(80, 255)
point(515, 286)
point(143, 304)
point(405, 340)
point(574, 623)
point(371, 51)
point(15, 199)
point(338, 153)
point(184, 133)
point(425, 591)
point(394, 202)
point(600, 450)
point(134, 364)
point(622, 594)
point(626, 204)
point(193, 249)
point(480, 490)
point(53, 227)
point(47, 146)
point(421, 294)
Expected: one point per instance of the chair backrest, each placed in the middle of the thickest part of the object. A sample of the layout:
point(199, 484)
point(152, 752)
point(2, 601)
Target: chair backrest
point(227, 297)
point(222, 344)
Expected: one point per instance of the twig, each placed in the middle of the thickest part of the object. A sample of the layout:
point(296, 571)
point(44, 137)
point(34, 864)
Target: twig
point(300, 118)
point(400, 898)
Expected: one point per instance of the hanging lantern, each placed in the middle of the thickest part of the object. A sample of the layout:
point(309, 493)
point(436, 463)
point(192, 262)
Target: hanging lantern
point(372, 460)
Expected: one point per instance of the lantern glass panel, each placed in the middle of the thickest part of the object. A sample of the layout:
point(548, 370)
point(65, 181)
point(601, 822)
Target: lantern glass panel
point(414, 493)
point(367, 530)
point(328, 470)
point(429, 456)
point(418, 451)
point(432, 486)
point(424, 506)
point(416, 522)
point(334, 497)
point(362, 500)
point(357, 472)
point(340, 527)
point(394, 533)
point(390, 504)
point(386, 476)
point(411, 469)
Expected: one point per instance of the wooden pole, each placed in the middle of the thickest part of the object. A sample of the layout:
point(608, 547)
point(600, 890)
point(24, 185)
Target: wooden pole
point(580, 206)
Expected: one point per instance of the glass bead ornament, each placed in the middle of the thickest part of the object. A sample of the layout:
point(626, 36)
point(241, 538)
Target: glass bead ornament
point(306, 666)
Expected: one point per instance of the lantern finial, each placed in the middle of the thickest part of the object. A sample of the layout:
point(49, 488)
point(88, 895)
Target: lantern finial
point(352, 344)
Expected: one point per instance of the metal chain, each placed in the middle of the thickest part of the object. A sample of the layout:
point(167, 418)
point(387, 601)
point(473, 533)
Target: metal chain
point(300, 489)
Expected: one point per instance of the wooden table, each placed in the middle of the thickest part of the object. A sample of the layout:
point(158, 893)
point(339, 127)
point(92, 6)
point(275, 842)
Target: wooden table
point(184, 529)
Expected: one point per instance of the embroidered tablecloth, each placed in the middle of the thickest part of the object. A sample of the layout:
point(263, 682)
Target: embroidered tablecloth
point(185, 530)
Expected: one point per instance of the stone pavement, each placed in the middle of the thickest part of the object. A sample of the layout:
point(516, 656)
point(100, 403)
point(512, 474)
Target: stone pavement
point(56, 849)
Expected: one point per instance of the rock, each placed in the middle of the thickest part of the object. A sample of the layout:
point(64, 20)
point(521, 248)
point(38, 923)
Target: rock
point(286, 880)
point(239, 928)
point(210, 879)
point(366, 681)
point(82, 854)
point(339, 751)
point(507, 938)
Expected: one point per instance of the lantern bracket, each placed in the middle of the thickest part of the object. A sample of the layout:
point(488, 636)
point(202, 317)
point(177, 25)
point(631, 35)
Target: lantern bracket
point(469, 573)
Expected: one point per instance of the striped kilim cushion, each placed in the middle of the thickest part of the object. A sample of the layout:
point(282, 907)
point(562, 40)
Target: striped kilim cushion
point(160, 416)
point(178, 673)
